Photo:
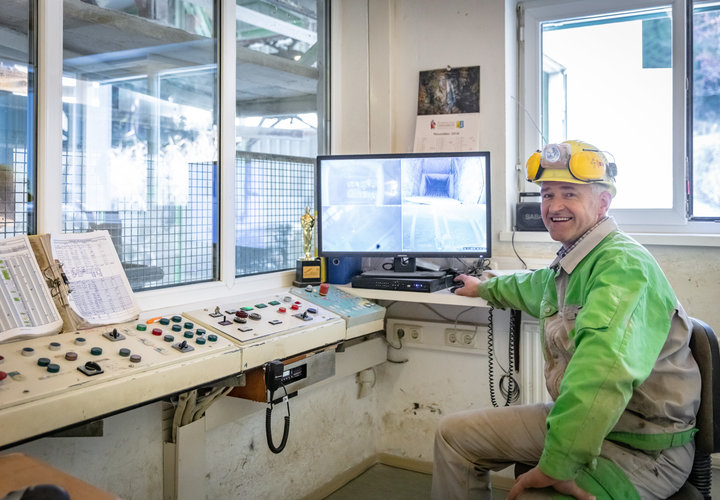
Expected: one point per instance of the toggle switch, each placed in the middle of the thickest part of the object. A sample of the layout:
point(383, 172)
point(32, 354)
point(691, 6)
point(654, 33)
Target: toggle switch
point(91, 368)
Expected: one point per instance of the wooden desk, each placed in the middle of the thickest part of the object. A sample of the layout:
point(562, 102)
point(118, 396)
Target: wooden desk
point(18, 471)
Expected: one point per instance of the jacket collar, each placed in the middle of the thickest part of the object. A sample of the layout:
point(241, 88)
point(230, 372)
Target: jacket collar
point(569, 260)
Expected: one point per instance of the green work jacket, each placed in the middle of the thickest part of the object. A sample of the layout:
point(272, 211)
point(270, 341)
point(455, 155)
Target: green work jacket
point(616, 348)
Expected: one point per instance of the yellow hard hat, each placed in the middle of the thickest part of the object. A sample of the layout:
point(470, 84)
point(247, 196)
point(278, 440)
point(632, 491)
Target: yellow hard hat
point(571, 161)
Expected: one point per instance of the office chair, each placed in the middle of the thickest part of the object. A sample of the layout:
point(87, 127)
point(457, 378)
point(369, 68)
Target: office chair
point(704, 346)
point(706, 351)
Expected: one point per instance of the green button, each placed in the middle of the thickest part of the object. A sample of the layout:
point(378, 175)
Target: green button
point(43, 361)
point(247, 308)
point(260, 306)
point(53, 368)
point(141, 327)
point(177, 319)
point(200, 331)
point(188, 334)
point(176, 328)
point(212, 337)
point(168, 338)
point(96, 351)
point(188, 325)
point(200, 340)
point(164, 321)
point(124, 352)
point(274, 303)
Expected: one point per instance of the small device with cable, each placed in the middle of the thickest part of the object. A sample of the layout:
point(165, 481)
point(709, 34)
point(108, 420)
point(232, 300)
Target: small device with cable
point(273, 381)
point(276, 381)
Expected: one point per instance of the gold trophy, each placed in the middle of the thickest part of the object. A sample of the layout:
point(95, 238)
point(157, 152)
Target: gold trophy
point(307, 271)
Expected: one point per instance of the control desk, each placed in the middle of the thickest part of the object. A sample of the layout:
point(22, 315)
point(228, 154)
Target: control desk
point(52, 382)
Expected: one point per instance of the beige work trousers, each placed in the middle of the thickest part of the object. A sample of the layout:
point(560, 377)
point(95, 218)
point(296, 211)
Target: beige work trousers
point(471, 443)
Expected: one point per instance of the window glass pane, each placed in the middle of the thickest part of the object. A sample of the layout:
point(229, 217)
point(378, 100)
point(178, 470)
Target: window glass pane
point(706, 110)
point(278, 74)
point(17, 120)
point(140, 134)
point(608, 81)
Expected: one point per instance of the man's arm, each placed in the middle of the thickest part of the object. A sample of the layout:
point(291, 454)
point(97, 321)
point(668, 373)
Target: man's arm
point(522, 291)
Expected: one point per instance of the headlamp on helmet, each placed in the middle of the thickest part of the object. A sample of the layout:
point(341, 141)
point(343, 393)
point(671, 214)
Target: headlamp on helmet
point(570, 161)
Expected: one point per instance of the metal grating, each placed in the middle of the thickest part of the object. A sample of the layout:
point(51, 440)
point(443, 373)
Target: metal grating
point(162, 245)
point(272, 192)
point(16, 207)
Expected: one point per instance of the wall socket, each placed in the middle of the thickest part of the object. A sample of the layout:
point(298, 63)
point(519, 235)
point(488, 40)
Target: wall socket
point(460, 337)
point(432, 335)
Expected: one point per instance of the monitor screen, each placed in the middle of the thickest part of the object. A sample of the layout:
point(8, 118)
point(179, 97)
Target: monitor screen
point(414, 204)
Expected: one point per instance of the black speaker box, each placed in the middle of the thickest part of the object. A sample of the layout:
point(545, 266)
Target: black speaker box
point(527, 214)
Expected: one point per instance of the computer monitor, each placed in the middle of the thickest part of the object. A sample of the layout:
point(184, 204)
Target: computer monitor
point(414, 205)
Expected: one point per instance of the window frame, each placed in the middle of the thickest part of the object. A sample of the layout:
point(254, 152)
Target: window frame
point(49, 171)
point(531, 14)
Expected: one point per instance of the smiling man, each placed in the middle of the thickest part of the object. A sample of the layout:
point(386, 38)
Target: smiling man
point(624, 384)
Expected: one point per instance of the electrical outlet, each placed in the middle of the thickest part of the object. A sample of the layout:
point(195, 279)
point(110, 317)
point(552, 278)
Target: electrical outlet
point(436, 335)
point(460, 337)
point(412, 333)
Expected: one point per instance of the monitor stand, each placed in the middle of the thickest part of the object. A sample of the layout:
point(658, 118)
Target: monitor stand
point(403, 264)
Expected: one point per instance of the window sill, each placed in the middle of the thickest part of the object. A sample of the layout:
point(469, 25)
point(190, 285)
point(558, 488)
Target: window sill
point(667, 239)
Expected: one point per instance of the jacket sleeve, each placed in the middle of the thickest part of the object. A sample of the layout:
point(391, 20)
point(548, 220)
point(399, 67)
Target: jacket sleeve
point(619, 332)
point(522, 291)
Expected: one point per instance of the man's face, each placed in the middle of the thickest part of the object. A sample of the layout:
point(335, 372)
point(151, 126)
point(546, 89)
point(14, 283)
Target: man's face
point(569, 210)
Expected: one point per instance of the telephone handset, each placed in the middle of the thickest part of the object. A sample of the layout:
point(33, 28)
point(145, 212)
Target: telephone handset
point(273, 381)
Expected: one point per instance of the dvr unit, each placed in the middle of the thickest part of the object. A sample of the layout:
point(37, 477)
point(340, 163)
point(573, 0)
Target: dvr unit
point(403, 282)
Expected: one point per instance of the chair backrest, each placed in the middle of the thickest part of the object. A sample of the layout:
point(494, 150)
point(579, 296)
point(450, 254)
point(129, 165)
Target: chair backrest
point(706, 351)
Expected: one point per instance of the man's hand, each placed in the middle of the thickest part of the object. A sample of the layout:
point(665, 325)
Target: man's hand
point(469, 285)
point(535, 478)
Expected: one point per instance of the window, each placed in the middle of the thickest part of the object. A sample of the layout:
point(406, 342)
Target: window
point(279, 98)
point(705, 117)
point(140, 124)
point(613, 74)
point(17, 119)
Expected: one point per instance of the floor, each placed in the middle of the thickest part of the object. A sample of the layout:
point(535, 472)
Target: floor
point(390, 483)
point(383, 482)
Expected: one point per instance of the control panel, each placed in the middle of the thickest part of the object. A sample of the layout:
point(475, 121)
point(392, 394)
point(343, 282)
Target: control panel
point(47, 365)
point(76, 376)
point(361, 315)
point(272, 327)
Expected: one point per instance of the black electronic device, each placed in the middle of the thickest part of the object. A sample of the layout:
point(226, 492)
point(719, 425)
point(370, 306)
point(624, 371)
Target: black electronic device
point(419, 281)
point(274, 375)
point(428, 205)
point(527, 213)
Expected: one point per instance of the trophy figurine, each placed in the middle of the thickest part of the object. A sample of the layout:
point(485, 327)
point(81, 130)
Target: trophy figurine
point(307, 222)
point(307, 271)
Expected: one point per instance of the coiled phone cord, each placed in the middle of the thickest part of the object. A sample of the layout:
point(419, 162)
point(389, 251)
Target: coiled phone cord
point(268, 425)
point(508, 385)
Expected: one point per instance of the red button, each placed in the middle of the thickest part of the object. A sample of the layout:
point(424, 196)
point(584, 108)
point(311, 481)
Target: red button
point(282, 310)
point(3, 376)
point(241, 314)
point(324, 287)
point(295, 307)
point(157, 331)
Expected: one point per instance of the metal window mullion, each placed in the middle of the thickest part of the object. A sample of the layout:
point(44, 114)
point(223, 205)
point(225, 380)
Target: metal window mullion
point(49, 112)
